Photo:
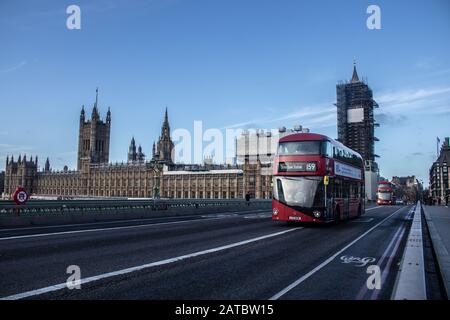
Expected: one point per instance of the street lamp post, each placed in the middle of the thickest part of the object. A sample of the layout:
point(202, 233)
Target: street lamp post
point(157, 169)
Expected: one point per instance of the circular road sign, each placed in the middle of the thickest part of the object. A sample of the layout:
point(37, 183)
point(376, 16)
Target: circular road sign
point(20, 195)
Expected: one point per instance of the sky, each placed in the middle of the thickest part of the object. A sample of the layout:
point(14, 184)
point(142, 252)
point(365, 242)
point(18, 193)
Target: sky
point(229, 64)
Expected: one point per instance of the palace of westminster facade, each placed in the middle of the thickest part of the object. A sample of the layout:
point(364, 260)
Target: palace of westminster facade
point(158, 176)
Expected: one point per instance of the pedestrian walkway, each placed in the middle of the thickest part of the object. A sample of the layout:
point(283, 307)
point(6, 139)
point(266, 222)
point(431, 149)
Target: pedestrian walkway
point(438, 221)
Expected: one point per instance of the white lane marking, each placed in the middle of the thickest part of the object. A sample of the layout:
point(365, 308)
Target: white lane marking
point(144, 266)
point(372, 208)
point(119, 221)
point(106, 229)
point(220, 215)
point(395, 241)
point(327, 261)
point(258, 216)
point(362, 220)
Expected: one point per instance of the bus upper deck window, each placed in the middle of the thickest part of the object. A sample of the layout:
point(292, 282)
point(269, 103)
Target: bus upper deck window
point(299, 148)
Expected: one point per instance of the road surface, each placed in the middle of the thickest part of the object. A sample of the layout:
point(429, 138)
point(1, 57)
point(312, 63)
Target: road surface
point(240, 255)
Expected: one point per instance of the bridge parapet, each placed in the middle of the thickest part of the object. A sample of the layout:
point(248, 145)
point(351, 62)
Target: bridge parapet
point(46, 212)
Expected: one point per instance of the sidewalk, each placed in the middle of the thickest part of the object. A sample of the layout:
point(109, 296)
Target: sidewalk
point(438, 221)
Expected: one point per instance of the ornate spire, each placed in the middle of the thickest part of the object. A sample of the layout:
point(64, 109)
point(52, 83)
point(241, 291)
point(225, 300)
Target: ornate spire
point(165, 144)
point(165, 129)
point(108, 115)
point(7, 158)
point(95, 109)
point(166, 118)
point(355, 77)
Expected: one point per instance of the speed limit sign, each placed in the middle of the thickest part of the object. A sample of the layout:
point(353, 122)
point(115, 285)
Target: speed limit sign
point(20, 195)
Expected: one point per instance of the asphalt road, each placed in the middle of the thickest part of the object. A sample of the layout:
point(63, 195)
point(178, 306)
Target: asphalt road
point(240, 255)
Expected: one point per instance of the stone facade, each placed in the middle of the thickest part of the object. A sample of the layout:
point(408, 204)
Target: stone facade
point(2, 181)
point(439, 175)
point(157, 177)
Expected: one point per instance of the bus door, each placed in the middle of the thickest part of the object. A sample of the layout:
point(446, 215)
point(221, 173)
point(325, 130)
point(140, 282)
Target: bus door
point(329, 196)
point(346, 198)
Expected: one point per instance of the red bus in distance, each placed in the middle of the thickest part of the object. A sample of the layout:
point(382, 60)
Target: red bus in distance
point(316, 179)
point(385, 193)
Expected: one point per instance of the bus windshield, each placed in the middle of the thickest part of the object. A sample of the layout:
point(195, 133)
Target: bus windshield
point(299, 147)
point(384, 195)
point(304, 192)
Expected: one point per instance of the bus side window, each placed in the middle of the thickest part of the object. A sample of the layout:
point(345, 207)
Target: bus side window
point(328, 149)
point(354, 190)
point(345, 189)
point(337, 188)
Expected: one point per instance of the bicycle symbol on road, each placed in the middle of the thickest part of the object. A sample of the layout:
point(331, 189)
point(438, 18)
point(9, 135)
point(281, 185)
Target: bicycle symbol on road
point(359, 262)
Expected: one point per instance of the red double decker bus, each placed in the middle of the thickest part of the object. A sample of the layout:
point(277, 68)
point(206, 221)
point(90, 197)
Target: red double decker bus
point(316, 179)
point(385, 193)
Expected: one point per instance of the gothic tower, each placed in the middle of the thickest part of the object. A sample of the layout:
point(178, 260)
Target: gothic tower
point(22, 173)
point(93, 137)
point(132, 155)
point(165, 144)
point(355, 116)
point(47, 166)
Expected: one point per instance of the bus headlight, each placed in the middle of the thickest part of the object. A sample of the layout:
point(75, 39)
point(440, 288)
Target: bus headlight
point(317, 213)
point(275, 212)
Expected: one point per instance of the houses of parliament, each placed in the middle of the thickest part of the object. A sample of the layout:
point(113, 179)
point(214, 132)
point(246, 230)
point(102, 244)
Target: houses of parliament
point(140, 177)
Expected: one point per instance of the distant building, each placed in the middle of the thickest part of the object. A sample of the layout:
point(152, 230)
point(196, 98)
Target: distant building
point(407, 188)
point(261, 145)
point(356, 125)
point(251, 146)
point(158, 176)
point(439, 178)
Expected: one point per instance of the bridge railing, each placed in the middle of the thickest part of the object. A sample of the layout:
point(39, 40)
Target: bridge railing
point(38, 207)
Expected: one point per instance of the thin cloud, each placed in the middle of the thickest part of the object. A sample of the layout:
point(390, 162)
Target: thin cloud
point(14, 68)
point(317, 115)
point(407, 96)
point(429, 101)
